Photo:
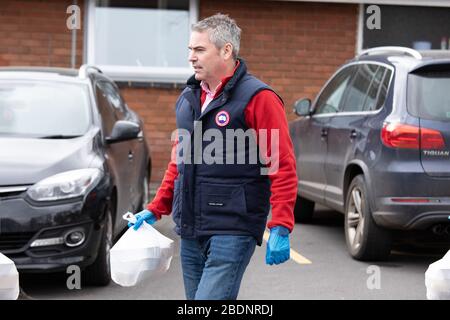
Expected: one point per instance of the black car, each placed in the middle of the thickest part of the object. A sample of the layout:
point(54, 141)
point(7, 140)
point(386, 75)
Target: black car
point(73, 160)
point(375, 145)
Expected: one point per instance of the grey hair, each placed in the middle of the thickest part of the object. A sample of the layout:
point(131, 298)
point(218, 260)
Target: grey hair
point(222, 29)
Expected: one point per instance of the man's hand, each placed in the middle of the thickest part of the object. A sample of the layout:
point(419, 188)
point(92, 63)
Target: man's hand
point(142, 216)
point(278, 248)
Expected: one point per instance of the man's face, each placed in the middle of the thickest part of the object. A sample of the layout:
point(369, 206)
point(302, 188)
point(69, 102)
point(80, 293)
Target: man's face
point(208, 61)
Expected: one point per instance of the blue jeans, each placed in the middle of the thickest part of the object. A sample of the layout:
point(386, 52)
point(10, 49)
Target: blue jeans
point(213, 266)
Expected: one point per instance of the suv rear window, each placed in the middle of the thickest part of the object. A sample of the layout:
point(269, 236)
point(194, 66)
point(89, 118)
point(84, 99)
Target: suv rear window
point(429, 95)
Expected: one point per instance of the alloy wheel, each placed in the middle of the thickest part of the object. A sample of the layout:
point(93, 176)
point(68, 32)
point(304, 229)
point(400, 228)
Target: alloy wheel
point(109, 240)
point(355, 219)
point(145, 193)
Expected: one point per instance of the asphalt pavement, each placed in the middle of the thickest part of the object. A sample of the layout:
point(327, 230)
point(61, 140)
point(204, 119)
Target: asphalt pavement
point(321, 269)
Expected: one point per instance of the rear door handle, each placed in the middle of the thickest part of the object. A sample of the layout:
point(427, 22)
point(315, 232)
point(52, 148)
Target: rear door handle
point(324, 133)
point(130, 156)
point(353, 134)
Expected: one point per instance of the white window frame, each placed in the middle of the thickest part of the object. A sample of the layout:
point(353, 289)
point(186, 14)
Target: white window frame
point(135, 73)
point(360, 29)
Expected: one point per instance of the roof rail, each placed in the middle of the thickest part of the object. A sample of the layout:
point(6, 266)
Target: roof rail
point(83, 72)
point(414, 53)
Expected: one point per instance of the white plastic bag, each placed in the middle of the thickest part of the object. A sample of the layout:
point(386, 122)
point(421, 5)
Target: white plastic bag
point(437, 279)
point(139, 254)
point(9, 279)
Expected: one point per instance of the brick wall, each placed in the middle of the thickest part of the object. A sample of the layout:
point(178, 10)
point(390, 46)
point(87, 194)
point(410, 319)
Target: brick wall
point(293, 46)
point(34, 33)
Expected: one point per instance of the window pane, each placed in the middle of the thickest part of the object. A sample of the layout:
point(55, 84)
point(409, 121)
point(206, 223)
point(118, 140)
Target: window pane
point(331, 96)
point(106, 110)
point(114, 99)
point(145, 35)
point(372, 94)
point(405, 25)
point(428, 96)
point(43, 109)
point(357, 91)
point(384, 89)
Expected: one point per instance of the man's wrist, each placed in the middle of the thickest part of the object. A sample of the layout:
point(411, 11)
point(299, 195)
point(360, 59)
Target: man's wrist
point(280, 230)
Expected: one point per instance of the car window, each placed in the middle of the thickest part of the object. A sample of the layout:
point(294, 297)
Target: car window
point(44, 108)
point(371, 97)
point(428, 96)
point(381, 96)
point(331, 96)
point(128, 114)
point(356, 93)
point(378, 89)
point(114, 99)
point(107, 111)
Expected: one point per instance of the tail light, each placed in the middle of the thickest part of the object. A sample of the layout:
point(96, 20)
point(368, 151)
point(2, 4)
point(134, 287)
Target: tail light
point(431, 139)
point(398, 135)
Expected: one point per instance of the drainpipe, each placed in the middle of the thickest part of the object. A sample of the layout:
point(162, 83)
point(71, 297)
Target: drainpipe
point(74, 44)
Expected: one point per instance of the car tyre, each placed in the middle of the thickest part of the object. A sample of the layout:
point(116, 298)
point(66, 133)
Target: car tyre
point(303, 210)
point(365, 239)
point(99, 273)
point(145, 190)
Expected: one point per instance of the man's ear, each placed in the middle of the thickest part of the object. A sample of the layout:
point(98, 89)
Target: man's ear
point(227, 51)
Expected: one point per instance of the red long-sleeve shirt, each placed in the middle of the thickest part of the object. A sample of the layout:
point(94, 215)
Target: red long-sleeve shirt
point(264, 111)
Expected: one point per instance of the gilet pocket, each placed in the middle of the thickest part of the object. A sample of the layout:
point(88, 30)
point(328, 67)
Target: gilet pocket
point(222, 206)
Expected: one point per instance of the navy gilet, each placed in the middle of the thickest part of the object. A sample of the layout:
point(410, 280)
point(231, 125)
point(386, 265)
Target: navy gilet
point(229, 195)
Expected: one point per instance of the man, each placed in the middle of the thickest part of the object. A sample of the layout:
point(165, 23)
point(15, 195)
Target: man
point(220, 209)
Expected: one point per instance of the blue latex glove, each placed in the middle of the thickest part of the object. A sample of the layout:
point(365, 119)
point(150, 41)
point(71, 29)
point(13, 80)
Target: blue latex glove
point(142, 216)
point(278, 248)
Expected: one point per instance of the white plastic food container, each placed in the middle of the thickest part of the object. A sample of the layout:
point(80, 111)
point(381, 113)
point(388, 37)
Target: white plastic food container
point(140, 254)
point(9, 279)
point(437, 279)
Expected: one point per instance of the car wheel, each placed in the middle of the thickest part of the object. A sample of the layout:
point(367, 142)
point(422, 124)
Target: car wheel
point(303, 210)
point(365, 240)
point(99, 273)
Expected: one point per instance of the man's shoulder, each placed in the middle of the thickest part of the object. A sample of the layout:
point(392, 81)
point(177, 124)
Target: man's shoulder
point(188, 90)
point(250, 80)
point(264, 91)
point(260, 87)
point(251, 77)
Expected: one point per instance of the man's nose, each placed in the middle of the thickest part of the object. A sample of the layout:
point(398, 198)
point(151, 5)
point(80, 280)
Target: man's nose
point(192, 57)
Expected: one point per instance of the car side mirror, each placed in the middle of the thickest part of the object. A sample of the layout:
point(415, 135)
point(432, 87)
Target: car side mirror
point(302, 107)
point(123, 130)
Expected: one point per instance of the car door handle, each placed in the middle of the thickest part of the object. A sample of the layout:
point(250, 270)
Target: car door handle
point(324, 133)
point(353, 134)
point(130, 156)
